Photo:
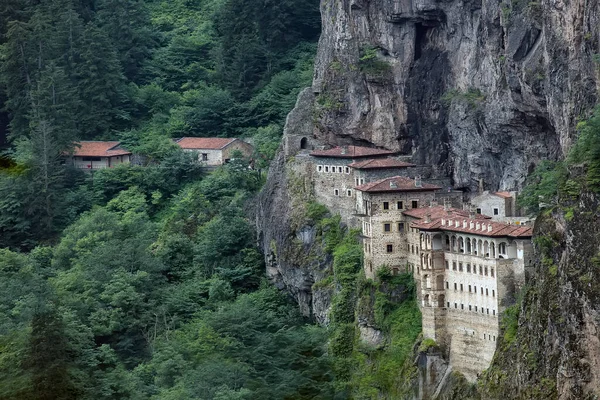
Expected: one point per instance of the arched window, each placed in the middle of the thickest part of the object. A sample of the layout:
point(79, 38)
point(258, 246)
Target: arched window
point(426, 301)
point(304, 143)
point(441, 300)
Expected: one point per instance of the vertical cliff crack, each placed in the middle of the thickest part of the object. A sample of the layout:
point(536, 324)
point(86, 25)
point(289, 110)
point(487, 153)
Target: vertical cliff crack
point(420, 39)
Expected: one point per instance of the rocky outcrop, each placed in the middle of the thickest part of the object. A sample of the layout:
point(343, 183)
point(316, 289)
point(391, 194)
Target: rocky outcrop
point(480, 90)
point(554, 351)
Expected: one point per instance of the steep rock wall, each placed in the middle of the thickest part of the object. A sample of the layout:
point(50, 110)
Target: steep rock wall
point(480, 90)
point(554, 351)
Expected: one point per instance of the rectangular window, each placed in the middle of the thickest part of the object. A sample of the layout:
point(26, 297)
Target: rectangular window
point(387, 227)
point(415, 204)
point(390, 248)
point(347, 170)
point(455, 287)
point(400, 226)
point(462, 306)
point(492, 272)
point(494, 312)
point(362, 181)
point(460, 267)
point(488, 311)
point(340, 169)
point(470, 307)
point(400, 205)
point(486, 271)
point(496, 211)
point(493, 293)
point(447, 265)
point(479, 211)
point(480, 270)
point(455, 305)
point(320, 168)
point(386, 205)
point(327, 168)
point(447, 285)
point(475, 289)
point(349, 193)
point(487, 292)
point(470, 289)
point(461, 287)
point(482, 291)
point(475, 308)
point(448, 304)
point(468, 267)
point(336, 192)
point(453, 265)
point(204, 157)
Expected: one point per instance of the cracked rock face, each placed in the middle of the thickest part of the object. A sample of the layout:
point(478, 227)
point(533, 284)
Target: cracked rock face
point(481, 90)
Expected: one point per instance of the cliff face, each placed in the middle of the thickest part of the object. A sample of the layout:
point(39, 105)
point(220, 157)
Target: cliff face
point(554, 349)
point(481, 90)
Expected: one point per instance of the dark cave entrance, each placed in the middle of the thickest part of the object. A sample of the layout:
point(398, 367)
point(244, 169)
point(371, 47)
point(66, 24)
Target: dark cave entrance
point(420, 39)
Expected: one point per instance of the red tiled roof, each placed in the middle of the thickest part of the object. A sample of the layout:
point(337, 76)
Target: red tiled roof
point(506, 195)
point(194, 143)
point(498, 229)
point(437, 212)
point(98, 149)
point(396, 184)
point(351, 152)
point(380, 163)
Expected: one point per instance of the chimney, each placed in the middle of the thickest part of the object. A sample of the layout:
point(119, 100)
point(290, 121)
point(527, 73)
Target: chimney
point(447, 204)
point(477, 226)
point(418, 182)
point(471, 225)
point(464, 223)
point(393, 185)
point(344, 149)
point(428, 218)
point(433, 203)
point(489, 227)
point(443, 222)
point(471, 212)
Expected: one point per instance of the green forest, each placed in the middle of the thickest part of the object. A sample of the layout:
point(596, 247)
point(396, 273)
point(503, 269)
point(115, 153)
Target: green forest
point(145, 281)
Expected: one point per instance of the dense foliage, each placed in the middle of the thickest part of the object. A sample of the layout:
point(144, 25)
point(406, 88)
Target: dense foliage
point(551, 181)
point(146, 298)
point(143, 72)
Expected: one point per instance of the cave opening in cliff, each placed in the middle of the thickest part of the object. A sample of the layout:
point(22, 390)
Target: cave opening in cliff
point(420, 39)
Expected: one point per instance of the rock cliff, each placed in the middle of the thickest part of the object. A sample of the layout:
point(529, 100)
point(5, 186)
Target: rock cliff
point(481, 90)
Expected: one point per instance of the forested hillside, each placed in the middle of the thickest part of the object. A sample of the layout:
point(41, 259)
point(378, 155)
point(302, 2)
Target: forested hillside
point(142, 72)
point(144, 282)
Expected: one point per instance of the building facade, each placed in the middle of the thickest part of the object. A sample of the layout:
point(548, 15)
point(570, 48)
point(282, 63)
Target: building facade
point(213, 152)
point(334, 179)
point(379, 206)
point(466, 268)
point(93, 155)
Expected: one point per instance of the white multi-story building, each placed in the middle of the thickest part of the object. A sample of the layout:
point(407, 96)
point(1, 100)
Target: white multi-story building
point(467, 267)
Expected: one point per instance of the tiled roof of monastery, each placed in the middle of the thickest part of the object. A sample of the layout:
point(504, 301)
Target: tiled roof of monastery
point(466, 225)
point(351, 152)
point(99, 149)
point(197, 143)
point(380, 163)
point(396, 184)
point(436, 212)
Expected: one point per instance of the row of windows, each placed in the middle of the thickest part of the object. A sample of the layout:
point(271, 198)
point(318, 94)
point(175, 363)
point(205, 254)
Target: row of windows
point(336, 192)
point(387, 227)
point(472, 289)
point(333, 169)
point(483, 270)
point(473, 308)
point(360, 181)
point(400, 205)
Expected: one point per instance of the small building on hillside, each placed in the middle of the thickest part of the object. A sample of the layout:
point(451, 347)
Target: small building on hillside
point(214, 151)
point(379, 206)
point(92, 155)
point(467, 268)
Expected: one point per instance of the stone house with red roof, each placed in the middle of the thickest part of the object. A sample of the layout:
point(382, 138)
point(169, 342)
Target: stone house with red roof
point(214, 151)
point(379, 206)
point(93, 155)
point(501, 206)
point(467, 267)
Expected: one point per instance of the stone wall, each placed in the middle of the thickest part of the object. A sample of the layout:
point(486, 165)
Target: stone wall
point(334, 186)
